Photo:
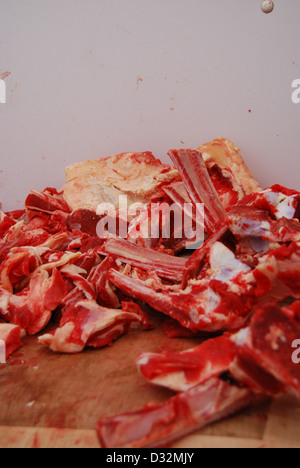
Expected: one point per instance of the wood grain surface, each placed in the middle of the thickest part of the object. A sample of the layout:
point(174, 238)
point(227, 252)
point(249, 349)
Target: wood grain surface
point(55, 400)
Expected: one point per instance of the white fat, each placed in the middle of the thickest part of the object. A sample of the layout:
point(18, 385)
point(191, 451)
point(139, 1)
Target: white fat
point(257, 228)
point(175, 381)
point(60, 340)
point(286, 208)
point(4, 301)
point(265, 225)
point(73, 270)
point(206, 157)
point(194, 315)
point(272, 197)
point(223, 263)
point(250, 227)
point(240, 338)
point(6, 329)
point(283, 203)
point(143, 361)
point(66, 258)
point(211, 299)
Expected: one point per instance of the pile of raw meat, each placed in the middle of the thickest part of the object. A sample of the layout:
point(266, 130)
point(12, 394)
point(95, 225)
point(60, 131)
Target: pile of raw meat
point(241, 287)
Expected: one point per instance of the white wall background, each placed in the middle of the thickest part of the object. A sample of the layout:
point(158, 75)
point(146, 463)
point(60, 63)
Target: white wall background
point(91, 78)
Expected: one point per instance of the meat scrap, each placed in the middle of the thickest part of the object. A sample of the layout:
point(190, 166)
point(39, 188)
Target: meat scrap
point(92, 285)
point(228, 171)
point(10, 337)
point(32, 308)
point(88, 324)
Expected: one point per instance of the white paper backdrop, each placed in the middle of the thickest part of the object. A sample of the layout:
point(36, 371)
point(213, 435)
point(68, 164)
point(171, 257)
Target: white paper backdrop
point(90, 78)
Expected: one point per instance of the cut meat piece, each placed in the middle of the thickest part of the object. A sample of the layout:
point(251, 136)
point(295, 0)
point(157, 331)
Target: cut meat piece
point(199, 186)
point(268, 344)
point(32, 308)
point(159, 425)
point(11, 336)
point(221, 298)
point(15, 271)
point(278, 201)
point(104, 292)
point(56, 222)
point(137, 175)
point(84, 221)
point(17, 237)
point(47, 201)
point(185, 370)
point(293, 311)
point(165, 265)
point(5, 223)
point(248, 221)
point(195, 262)
point(244, 369)
point(228, 171)
point(285, 230)
point(76, 275)
point(270, 215)
point(58, 259)
point(85, 323)
point(288, 265)
point(17, 215)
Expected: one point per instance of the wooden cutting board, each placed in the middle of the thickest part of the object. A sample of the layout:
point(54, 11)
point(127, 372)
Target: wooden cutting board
point(55, 400)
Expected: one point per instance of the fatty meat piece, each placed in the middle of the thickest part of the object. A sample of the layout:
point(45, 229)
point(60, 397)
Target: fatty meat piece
point(85, 323)
point(228, 171)
point(137, 175)
point(182, 371)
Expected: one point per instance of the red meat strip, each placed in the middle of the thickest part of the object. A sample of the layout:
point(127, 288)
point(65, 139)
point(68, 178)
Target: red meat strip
point(159, 425)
